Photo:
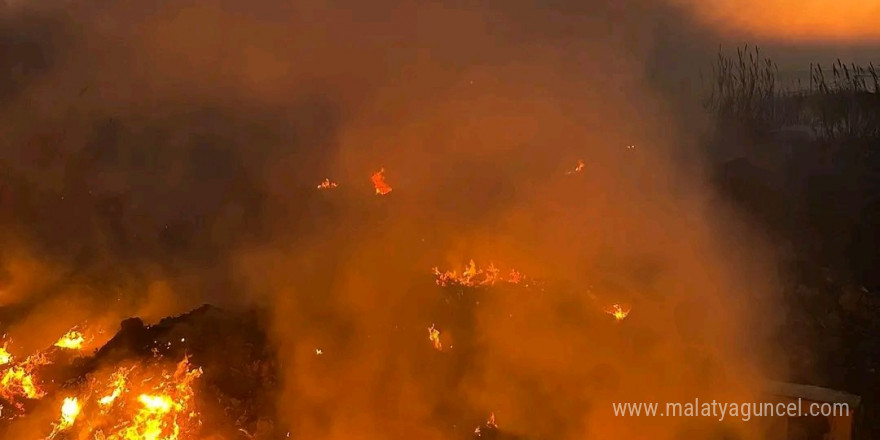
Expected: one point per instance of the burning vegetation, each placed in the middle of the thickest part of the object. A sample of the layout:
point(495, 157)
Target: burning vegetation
point(133, 389)
point(473, 276)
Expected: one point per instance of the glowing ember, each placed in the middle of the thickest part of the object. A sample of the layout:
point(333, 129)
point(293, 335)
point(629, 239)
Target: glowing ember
point(578, 168)
point(73, 340)
point(434, 337)
point(617, 311)
point(472, 276)
point(327, 184)
point(378, 179)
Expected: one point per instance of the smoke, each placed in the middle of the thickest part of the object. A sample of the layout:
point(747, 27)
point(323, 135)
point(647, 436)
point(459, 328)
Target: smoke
point(164, 154)
point(788, 21)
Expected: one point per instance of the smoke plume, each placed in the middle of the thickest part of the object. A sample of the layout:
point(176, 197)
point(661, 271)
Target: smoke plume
point(157, 155)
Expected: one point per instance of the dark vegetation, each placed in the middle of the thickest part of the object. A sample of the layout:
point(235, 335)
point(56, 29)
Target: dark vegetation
point(809, 171)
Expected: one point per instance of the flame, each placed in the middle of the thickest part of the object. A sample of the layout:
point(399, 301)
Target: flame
point(434, 337)
point(19, 382)
point(72, 340)
point(473, 276)
point(578, 168)
point(618, 311)
point(5, 356)
point(158, 406)
point(70, 409)
point(490, 424)
point(378, 179)
point(327, 184)
point(118, 380)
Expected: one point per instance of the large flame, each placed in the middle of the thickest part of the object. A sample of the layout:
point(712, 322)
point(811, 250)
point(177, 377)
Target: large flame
point(160, 411)
point(70, 409)
point(19, 380)
point(5, 356)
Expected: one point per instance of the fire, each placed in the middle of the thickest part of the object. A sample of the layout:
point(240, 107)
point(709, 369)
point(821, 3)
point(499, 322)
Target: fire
point(139, 402)
point(327, 184)
point(19, 382)
point(118, 379)
point(378, 179)
point(578, 168)
point(73, 340)
point(5, 356)
point(70, 409)
point(157, 406)
point(434, 337)
point(490, 426)
point(618, 311)
point(473, 276)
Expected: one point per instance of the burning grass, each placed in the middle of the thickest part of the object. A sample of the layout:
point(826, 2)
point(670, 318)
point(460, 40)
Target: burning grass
point(473, 276)
point(130, 389)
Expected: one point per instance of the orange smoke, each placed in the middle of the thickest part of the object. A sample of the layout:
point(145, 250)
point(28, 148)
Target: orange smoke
point(793, 20)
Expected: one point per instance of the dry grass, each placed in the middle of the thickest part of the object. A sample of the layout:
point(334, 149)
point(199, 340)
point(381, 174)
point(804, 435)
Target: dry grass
point(843, 106)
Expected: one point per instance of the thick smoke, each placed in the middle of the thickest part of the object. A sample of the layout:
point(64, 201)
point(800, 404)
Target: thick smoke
point(157, 155)
point(786, 21)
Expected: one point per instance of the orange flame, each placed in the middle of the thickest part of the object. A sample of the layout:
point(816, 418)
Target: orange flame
point(327, 184)
point(473, 276)
point(434, 337)
point(378, 179)
point(118, 380)
point(5, 356)
point(618, 311)
point(578, 168)
point(19, 382)
point(72, 340)
point(158, 407)
point(70, 409)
